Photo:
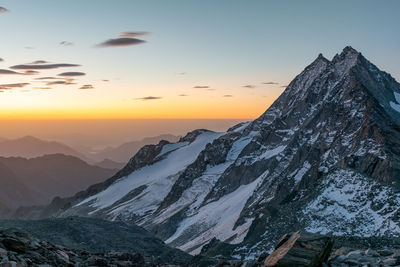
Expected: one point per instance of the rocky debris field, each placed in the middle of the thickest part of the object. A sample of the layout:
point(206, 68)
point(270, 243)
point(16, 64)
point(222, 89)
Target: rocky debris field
point(100, 237)
point(313, 250)
point(369, 257)
point(300, 249)
point(18, 248)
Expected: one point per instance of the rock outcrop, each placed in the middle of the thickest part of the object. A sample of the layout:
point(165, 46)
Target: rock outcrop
point(300, 249)
point(95, 236)
point(18, 248)
point(345, 257)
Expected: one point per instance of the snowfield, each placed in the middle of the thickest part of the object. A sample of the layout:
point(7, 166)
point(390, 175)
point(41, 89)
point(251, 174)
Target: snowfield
point(158, 179)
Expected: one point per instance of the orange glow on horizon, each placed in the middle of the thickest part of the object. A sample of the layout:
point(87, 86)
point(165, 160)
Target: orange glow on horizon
point(204, 107)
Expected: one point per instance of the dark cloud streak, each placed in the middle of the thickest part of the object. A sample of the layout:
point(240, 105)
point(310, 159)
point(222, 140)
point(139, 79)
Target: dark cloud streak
point(12, 86)
point(39, 62)
point(67, 82)
point(132, 34)
point(272, 83)
point(43, 66)
point(46, 78)
point(146, 98)
point(72, 74)
point(86, 86)
point(66, 43)
point(31, 72)
point(3, 10)
point(121, 42)
point(8, 72)
point(249, 86)
point(42, 88)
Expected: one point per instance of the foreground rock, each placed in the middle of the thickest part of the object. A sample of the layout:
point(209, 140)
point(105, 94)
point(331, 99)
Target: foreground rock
point(297, 249)
point(100, 237)
point(305, 249)
point(344, 257)
point(18, 248)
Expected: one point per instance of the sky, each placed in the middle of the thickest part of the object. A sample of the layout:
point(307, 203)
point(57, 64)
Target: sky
point(211, 59)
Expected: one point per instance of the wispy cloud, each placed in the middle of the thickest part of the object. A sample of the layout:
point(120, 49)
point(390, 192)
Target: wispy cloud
point(86, 86)
point(72, 74)
point(147, 98)
point(43, 66)
point(31, 72)
point(124, 39)
point(66, 82)
point(227, 96)
point(46, 78)
point(121, 42)
point(66, 43)
point(273, 83)
point(182, 95)
point(8, 72)
point(12, 86)
point(283, 86)
point(1, 60)
point(132, 34)
point(201, 86)
point(11, 72)
point(249, 86)
point(42, 88)
point(3, 10)
point(105, 80)
point(39, 62)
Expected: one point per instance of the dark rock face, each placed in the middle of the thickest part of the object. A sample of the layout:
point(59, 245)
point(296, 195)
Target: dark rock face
point(297, 249)
point(325, 157)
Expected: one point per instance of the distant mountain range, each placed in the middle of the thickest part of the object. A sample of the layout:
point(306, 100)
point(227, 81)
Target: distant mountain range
point(31, 147)
point(35, 181)
point(110, 164)
point(125, 151)
point(112, 157)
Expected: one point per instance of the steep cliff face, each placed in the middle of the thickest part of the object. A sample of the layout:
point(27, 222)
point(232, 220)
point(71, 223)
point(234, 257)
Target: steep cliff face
point(324, 157)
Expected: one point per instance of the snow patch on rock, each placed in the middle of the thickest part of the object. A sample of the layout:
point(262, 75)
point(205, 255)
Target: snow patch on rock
point(352, 204)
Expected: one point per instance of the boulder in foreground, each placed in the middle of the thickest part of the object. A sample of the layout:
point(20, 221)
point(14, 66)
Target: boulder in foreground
point(300, 249)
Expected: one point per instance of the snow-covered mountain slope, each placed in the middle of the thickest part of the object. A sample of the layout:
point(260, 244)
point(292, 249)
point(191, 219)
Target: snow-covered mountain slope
point(324, 157)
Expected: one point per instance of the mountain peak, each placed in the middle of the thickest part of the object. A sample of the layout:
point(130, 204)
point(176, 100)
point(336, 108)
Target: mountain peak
point(320, 61)
point(29, 138)
point(347, 58)
point(350, 50)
